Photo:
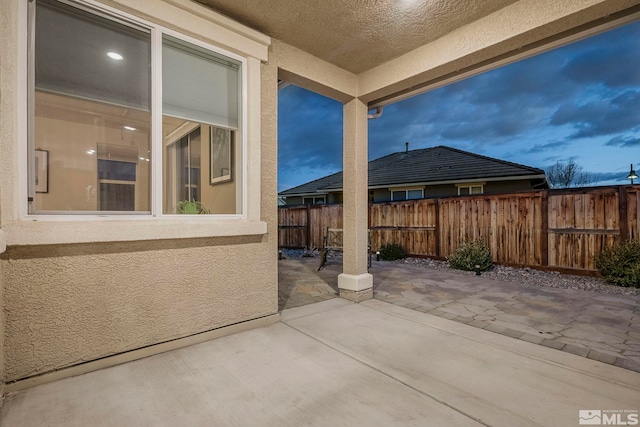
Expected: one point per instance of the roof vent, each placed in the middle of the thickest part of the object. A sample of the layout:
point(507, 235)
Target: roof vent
point(406, 147)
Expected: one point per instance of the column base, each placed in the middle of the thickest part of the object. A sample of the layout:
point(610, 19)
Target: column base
point(356, 288)
point(357, 296)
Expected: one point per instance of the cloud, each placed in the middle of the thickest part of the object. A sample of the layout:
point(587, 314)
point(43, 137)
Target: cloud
point(309, 130)
point(623, 141)
point(535, 81)
point(599, 61)
point(544, 148)
point(602, 116)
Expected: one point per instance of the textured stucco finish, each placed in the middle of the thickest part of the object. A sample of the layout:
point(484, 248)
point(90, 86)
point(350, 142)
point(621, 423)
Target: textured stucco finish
point(2, 334)
point(356, 203)
point(8, 104)
point(394, 45)
point(63, 308)
point(356, 36)
point(8, 22)
point(314, 74)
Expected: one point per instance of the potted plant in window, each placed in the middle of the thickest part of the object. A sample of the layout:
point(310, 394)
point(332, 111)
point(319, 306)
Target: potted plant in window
point(191, 207)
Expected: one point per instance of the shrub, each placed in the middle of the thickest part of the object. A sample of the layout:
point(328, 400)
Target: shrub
point(469, 254)
point(392, 251)
point(620, 264)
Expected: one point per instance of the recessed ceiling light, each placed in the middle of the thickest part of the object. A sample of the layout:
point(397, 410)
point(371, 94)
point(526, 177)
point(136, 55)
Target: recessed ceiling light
point(115, 55)
point(91, 151)
point(129, 128)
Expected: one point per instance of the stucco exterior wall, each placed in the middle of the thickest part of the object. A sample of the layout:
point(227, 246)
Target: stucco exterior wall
point(65, 304)
point(8, 24)
point(2, 335)
point(70, 304)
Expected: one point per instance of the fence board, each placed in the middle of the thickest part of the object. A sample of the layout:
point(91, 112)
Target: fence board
point(557, 228)
point(586, 221)
point(633, 213)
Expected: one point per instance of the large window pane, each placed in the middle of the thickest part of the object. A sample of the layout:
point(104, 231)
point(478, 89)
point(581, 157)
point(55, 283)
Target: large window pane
point(399, 195)
point(202, 162)
point(92, 90)
point(414, 194)
point(90, 149)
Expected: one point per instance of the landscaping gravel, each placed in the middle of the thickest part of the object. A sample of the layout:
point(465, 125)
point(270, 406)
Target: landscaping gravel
point(520, 276)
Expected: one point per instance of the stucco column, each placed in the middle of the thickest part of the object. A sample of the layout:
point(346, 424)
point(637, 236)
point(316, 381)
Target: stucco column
point(355, 283)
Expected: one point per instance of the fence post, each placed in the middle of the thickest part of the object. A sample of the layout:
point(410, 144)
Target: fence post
point(437, 230)
point(544, 228)
point(623, 224)
point(308, 230)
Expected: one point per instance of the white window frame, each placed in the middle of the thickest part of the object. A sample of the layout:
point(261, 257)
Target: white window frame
point(324, 200)
point(157, 143)
point(469, 186)
point(20, 228)
point(406, 192)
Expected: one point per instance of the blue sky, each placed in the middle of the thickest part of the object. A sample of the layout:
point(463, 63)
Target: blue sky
point(580, 102)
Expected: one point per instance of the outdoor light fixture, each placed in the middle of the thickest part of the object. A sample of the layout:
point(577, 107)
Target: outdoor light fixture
point(632, 174)
point(129, 127)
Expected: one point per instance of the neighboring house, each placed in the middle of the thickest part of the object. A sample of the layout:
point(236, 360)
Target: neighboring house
point(115, 113)
point(429, 172)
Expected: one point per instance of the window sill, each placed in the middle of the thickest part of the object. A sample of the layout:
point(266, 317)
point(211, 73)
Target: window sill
point(69, 232)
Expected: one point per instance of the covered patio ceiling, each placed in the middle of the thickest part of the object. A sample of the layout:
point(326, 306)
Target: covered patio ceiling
point(356, 35)
point(399, 48)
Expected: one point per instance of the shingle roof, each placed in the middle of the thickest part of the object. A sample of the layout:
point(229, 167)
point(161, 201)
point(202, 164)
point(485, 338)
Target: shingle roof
point(423, 166)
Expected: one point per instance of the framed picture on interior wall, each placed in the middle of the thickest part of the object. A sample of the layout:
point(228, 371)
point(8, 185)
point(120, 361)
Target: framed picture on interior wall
point(41, 167)
point(221, 155)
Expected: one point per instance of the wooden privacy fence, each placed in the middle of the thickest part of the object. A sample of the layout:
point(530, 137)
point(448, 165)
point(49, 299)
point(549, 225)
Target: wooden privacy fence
point(560, 229)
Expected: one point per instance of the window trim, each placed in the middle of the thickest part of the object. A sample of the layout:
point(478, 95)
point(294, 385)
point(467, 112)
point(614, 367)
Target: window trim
point(323, 197)
point(469, 186)
point(406, 192)
point(26, 91)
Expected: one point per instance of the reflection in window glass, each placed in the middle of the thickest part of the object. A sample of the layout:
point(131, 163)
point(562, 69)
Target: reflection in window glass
point(470, 190)
point(114, 170)
point(85, 99)
point(317, 200)
point(414, 194)
point(476, 189)
point(201, 102)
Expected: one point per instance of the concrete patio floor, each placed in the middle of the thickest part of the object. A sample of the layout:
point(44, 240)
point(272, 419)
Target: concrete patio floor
point(338, 363)
point(589, 324)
